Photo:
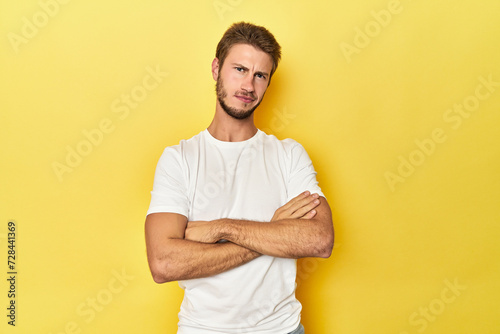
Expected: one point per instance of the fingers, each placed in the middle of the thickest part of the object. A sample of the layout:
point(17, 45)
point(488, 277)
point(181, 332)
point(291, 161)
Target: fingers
point(299, 206)
point(294, 200)
point(307, 207)
point(309, 215)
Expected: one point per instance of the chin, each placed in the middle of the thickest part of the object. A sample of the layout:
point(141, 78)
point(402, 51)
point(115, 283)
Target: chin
point(241, 115)
point(236, 113)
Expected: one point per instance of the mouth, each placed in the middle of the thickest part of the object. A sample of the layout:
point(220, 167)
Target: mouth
point(245, 99)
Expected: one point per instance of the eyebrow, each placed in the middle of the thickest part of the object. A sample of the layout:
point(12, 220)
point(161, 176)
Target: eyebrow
point(246, 69)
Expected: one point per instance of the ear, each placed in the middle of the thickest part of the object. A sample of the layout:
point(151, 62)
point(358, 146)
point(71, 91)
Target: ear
point(215, 68)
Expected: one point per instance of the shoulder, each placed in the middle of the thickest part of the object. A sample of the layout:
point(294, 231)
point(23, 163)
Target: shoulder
point(183, 149)
point(288, 146)
point(185, 145)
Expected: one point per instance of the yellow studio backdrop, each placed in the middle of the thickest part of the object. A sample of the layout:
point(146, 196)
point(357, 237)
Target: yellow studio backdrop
point(396, 101)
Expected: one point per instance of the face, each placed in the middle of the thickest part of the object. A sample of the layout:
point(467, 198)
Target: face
point(243, 79)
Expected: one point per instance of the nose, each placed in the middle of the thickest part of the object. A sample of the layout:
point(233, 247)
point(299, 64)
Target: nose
point(247, 84)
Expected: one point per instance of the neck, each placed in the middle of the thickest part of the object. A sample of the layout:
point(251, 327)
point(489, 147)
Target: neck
point(227, 128)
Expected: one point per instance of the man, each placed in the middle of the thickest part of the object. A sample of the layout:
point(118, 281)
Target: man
point(232, 208)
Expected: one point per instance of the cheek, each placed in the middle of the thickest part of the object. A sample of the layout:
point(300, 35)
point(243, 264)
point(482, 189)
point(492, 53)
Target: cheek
point(261, 89)
point(231, 82)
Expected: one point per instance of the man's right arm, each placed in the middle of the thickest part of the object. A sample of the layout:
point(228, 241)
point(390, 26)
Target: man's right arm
point(172, 258)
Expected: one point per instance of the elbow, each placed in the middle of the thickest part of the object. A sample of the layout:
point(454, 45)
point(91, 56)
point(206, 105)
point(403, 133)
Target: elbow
point(159, 278)
point(325, 251)
point(159, 273)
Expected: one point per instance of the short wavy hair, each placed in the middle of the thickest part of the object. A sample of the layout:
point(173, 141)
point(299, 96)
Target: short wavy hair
point(248, 33)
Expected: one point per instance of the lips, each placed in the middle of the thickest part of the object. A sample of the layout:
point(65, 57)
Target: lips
point(245, 99)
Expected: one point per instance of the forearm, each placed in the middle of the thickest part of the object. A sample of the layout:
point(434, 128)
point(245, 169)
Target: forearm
point(290, 238)
point(301, 228)
point(184, 259)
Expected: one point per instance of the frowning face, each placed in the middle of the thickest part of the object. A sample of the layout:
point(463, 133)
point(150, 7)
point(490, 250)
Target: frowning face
point(242, 81)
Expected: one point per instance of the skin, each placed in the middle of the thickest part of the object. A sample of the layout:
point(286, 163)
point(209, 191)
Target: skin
point(179, 249)
point(242, 72)
point(294, 232)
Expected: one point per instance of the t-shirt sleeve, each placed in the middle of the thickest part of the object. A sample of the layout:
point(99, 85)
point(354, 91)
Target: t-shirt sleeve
point(169, 187)
point(302, 175)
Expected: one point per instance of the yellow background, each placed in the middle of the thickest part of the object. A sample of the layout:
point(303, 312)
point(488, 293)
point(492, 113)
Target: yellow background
point(359, 112)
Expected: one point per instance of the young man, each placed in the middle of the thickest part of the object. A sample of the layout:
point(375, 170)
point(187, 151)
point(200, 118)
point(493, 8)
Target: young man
point(233, 208)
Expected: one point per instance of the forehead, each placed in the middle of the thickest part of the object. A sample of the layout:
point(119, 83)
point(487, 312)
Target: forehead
point(249, 56)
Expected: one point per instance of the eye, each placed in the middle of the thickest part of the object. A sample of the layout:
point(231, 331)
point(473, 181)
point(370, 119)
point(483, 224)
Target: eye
point(239, 69)
point(260, 76)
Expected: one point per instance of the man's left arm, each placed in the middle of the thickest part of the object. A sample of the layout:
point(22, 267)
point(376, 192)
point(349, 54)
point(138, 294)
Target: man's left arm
point(288, 238)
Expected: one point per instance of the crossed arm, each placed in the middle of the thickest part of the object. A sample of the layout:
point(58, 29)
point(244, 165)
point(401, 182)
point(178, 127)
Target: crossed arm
point(179, 250)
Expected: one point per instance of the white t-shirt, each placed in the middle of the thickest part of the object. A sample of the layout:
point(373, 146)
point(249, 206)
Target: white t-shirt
point(204, 178)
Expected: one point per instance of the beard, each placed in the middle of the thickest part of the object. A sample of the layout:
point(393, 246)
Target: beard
point(232, 111)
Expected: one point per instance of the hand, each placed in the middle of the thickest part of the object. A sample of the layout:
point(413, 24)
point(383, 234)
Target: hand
point(301, 207)
point(201, 231)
